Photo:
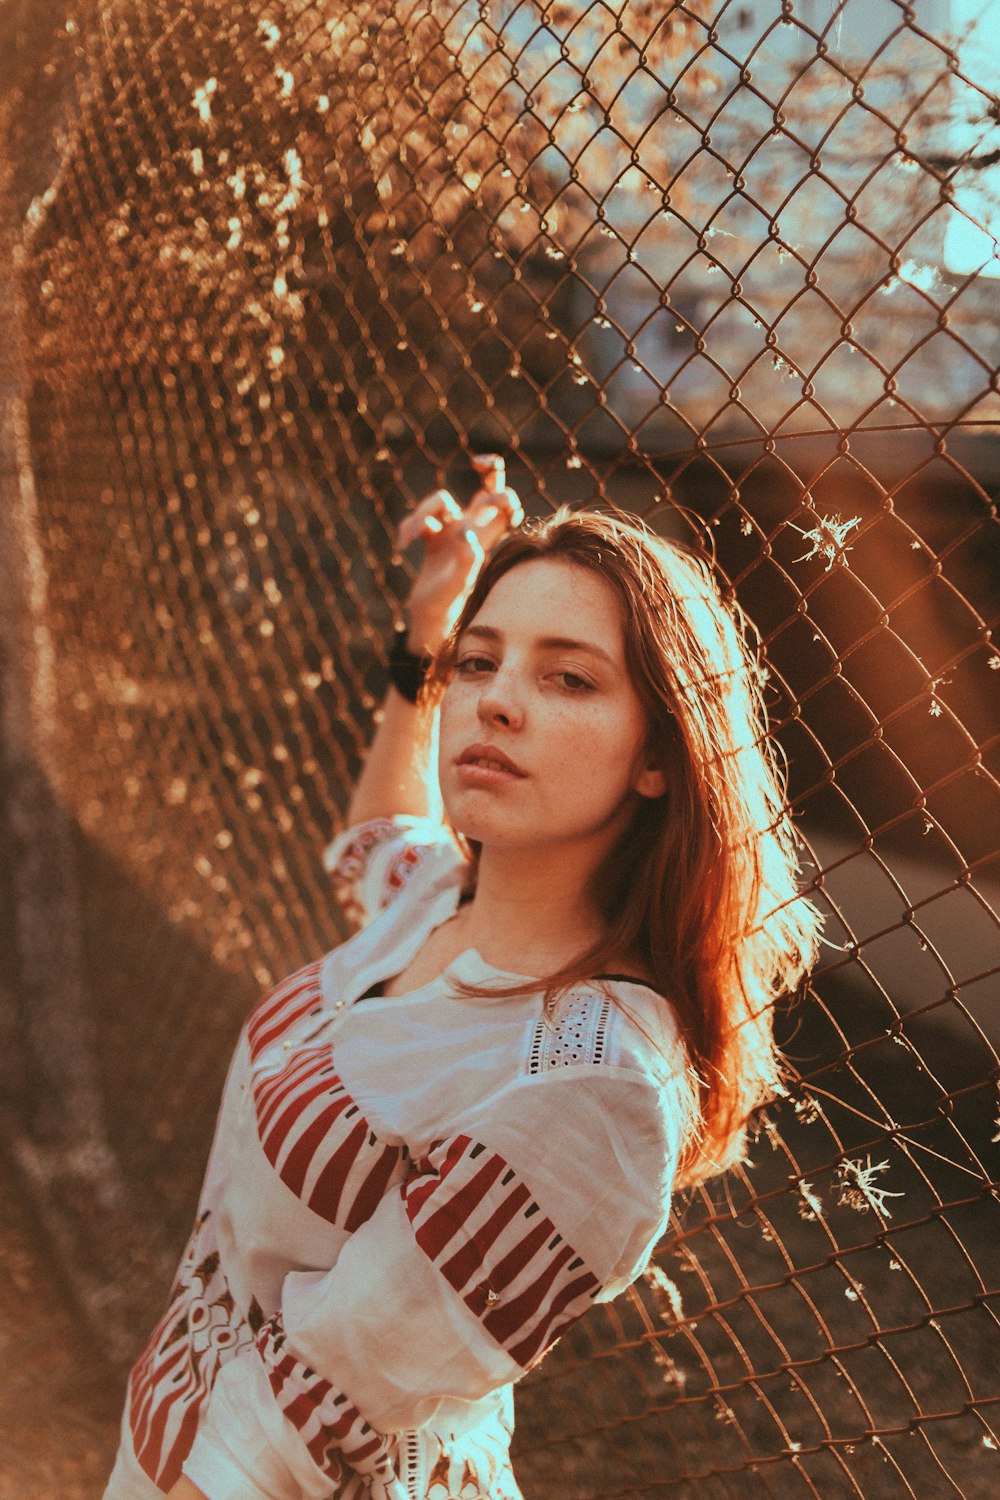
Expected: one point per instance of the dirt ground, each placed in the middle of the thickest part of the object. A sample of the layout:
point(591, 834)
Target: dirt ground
point(58, 1408)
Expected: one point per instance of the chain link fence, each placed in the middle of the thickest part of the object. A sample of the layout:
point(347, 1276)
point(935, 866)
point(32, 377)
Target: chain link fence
point(279, 268)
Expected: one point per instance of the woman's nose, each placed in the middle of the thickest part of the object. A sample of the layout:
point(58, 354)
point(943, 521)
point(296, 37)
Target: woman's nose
point(499, 702)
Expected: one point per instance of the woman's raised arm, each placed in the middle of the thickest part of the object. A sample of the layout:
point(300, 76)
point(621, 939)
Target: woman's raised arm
point(399, 774)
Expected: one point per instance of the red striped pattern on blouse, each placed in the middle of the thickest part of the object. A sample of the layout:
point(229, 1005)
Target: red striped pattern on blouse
point(331, 1427)
point(319, 1142)
point(477, 1222)
point(283, 1006)
point(173, 1378)
point(158, 1387)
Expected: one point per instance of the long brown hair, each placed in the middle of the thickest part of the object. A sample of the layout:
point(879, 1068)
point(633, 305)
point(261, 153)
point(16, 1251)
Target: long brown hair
point(703, 886)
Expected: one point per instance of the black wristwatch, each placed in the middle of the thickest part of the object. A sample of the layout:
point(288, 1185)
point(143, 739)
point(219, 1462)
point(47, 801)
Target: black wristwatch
point(406, 670)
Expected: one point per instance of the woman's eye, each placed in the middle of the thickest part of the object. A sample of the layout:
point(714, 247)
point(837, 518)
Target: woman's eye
point(574, 683)
point(468, 666)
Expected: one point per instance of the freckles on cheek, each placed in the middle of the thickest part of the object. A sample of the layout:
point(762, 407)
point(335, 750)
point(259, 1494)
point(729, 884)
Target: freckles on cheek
point(450, 716)
point(609, 742)
point(593, 757)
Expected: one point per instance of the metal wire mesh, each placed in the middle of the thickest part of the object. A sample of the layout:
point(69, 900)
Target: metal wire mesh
point(280, 267)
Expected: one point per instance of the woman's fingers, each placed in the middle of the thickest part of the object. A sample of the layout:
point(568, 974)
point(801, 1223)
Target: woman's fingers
point(492, 510)
point(492, 470)
point(511, 501)
point(429, 518)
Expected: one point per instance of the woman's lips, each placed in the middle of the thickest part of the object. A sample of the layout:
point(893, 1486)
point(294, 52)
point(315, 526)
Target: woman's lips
point(473, 774)
point(482, 765)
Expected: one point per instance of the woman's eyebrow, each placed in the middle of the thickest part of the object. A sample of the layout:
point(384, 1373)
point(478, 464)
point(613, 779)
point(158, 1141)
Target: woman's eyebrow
point(543, 643)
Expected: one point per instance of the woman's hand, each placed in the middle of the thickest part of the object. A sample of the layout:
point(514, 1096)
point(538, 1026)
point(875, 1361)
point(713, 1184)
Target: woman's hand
point(455, 543)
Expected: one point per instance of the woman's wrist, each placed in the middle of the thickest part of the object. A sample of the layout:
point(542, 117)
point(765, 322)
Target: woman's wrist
point(419, 640)
point(425, 634)
point(407, 668)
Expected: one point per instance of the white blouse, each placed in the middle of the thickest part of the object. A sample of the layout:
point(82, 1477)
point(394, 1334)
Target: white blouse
point(408, 1200)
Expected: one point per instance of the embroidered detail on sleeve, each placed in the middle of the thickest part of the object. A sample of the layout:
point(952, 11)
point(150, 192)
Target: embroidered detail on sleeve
point(477, 1222)
point(399, 872)
point(332, 1428)
point(479, 1470)
point(201, 1328)
point(578, 1034)
point(349, 870)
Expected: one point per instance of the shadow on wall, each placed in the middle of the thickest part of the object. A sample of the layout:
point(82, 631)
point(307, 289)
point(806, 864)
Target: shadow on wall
point(113, 1062)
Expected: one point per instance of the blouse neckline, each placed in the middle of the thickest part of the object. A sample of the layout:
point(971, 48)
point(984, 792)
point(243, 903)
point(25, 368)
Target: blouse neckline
point(471, 967)
point(468, 966)
point(471, 960)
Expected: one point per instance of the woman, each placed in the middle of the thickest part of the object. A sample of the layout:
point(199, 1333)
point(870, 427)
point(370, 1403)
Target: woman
point(440, 1144)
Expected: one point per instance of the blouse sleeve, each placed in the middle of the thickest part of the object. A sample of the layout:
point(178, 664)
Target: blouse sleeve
point(549, 1199)
point(372, 863)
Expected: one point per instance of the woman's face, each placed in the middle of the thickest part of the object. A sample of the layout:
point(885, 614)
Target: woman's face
point(542, 732)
